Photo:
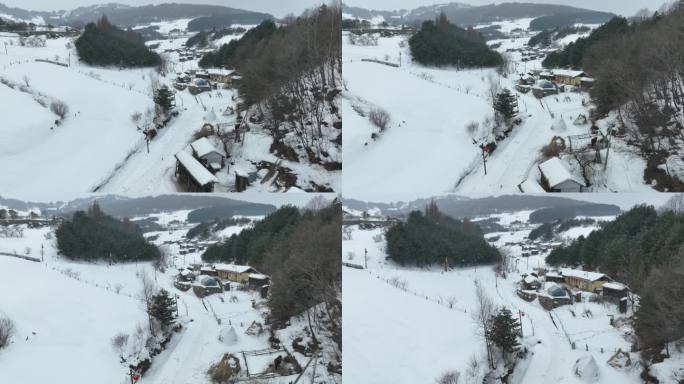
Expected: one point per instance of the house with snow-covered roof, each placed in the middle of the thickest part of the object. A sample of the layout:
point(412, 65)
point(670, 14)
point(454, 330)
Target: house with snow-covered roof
point(210, 156)
point(192, 175)
point(234, 272)
point(568, 77)
point(557, 178)
point(584, 280)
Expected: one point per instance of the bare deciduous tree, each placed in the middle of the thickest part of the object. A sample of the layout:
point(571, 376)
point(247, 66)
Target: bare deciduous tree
point(59, 108)
point(482, 316)
point(6, 331)
point(380, 118)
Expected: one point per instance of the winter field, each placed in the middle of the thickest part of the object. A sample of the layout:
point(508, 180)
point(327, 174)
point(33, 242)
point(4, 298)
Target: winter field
point(415, 330)
point(429, 109)
point(66, 314)
point(97, 147)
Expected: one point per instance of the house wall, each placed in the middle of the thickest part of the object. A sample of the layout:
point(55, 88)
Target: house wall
point(568, 80)
point(213, 157)
point(233, 276)
point(568, 186)
point(585, 285)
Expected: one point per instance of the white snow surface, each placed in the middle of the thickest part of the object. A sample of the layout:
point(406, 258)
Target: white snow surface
point(412, 336)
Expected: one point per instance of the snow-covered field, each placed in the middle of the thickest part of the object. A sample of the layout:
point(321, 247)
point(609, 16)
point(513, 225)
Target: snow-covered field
point(412, 335)
point(66, 314)
point(426, 150)
point(98, 147)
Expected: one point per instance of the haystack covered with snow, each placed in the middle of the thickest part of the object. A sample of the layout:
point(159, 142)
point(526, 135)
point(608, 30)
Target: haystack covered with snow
point(228, 336)
point(586, 369)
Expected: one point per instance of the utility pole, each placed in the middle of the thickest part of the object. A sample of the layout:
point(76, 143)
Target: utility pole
point(520, 315)
point(605, 165)
point(42, 256)
point(365, 257)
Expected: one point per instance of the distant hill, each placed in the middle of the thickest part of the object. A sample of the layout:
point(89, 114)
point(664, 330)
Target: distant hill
point(128, 16)
point(119, 206)
point(461, 207)
point(465, 15)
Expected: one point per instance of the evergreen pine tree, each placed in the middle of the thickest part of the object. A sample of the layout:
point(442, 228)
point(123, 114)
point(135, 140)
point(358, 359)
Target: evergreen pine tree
point(162, 308)
point(504, 331)
point(505, 104)
point(163, 98)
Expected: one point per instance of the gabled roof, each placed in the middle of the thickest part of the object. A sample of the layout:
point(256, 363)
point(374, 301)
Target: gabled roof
point(203, 147)
point(584, 275)
point(568, 73)
point(197, 170)
point(556, 173)
point(615, 286)
point(233, 268)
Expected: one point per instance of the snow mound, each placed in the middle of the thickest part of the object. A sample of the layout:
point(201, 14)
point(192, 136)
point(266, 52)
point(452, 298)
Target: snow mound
point(586, 369)
point(559, 125)
point(228, 336)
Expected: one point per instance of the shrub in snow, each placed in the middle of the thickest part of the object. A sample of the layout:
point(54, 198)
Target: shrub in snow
point(586, 369)
point(225, 371)
point(448, 377)
point(6, 331)
point(380, 118)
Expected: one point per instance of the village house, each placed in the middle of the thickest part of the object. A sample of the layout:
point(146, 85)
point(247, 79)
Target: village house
point(211, 157)
point(233, 272)
point(530, 283)
point(221, 75)
point(192, 175)
point(557, 178)
point(207, 285)
point(569, 77)
point(584, 280)
point(544, 88)
point(553, 296)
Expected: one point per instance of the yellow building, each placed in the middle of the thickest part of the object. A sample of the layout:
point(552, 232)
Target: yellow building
point(568, 77)
point(233, 272)
point(584, 280)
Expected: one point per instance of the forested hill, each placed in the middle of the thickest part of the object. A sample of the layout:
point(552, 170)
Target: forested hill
point(93, 235)
point(573, 54)
point(102, 43)
point(441, 43)
point(432, 238)
point(629, 247)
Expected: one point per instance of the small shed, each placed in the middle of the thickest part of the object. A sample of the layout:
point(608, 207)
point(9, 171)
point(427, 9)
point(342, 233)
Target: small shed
point(211, 157)
point(557, 178)
point(207, 285)
point(530, 283)
point(257, 280)
point(192, 175)
point(613, 291)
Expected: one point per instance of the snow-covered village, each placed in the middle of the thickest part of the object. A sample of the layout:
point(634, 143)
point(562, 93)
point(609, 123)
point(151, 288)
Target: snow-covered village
point(510, 98)
point(169, 98)
point(116, 290)
point(513, 289)
point(174, 207)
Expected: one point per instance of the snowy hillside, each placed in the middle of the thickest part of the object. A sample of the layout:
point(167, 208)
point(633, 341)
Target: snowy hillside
point(72, 311)
point(409, 325)
point(98, 147)
point(426, 149)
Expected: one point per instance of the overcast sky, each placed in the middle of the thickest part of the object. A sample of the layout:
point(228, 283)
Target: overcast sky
point(622, 7)
point(277, 8)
